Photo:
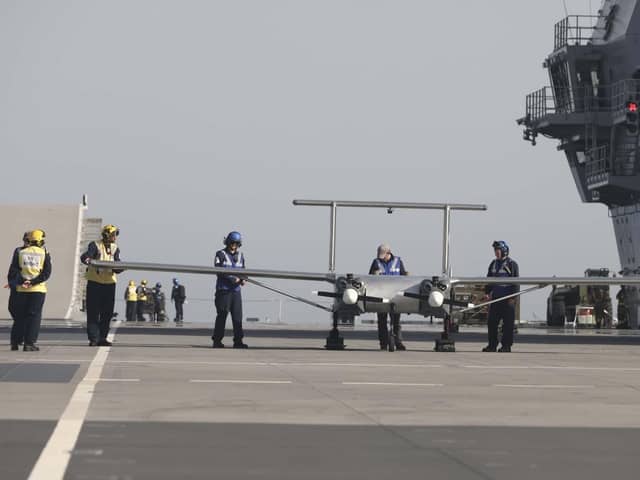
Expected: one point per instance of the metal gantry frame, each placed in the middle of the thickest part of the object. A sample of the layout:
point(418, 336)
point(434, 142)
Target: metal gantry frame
point(446, 208)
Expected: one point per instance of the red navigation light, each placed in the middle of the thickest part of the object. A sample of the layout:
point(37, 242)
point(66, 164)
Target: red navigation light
point(632, 107)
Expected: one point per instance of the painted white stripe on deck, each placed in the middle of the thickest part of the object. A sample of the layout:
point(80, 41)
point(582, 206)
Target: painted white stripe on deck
point(331, 364)
point(54, 459)
point(224, 363)
point(395, 384)
point(116, 379)
point(12, 358)
point(552, 367)
point(524, 385)
point(196, 380)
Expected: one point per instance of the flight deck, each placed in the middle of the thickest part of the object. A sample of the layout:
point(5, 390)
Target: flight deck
point(161, 403)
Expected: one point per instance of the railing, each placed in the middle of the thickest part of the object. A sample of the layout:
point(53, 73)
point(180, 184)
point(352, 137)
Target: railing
point(598, 163)
point(624, 163)
point(574, 30)
point(610, 98)
point(540, 103)
point(625, 159)
point(624, 91)
point(624, 210)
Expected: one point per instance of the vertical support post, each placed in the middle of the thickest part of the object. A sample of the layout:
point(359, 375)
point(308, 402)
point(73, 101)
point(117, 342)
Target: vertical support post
point(445, 239)
point(332, 237)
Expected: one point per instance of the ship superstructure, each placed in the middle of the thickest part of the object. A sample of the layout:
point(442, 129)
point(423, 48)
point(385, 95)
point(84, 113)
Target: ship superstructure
point(591, 107)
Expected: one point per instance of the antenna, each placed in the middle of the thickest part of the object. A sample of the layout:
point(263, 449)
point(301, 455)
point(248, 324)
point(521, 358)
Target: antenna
point(566, 12)
point(446, 208)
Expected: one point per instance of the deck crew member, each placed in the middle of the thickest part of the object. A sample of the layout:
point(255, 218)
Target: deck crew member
point(29, 271)
point(623, 309)
point(101, 285)
point(16, 337)
point(131, 297)
point(142, 293)
point(502, 266)
point(158, 303)
point(178, 295)
point(386, 263)
point(228, 298)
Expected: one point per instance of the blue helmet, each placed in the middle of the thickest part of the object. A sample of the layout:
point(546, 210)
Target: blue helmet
point(175, 281)
point(502, 246)
point(233, 237)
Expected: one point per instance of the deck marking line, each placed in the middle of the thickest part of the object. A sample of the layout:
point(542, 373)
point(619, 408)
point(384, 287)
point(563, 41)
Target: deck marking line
point(197, 380)
point(115, 379)
point(54, 458)
point(524, 385)
point(552, 367)
point(395, 384)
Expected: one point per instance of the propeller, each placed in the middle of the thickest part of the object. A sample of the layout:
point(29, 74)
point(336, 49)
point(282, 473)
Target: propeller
point(433, 292)
point(436, 299)
point(350, 291)
point(350, 296)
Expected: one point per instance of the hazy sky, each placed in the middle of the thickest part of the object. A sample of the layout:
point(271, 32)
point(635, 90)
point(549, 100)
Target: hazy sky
point(183, 120)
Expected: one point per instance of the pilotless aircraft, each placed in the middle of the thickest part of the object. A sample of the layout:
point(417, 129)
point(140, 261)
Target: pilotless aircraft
point(355, 294)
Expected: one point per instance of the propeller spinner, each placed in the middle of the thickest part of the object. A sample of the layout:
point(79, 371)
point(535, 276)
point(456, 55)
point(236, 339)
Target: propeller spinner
point(350, 296)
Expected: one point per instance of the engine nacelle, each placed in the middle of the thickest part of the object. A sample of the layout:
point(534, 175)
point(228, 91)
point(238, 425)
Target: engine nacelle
point(433, 294)
point(349, 290)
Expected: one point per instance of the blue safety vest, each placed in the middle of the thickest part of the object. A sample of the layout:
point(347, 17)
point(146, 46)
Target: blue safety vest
point(502, 268)
point(392, 267)
point(228, 260)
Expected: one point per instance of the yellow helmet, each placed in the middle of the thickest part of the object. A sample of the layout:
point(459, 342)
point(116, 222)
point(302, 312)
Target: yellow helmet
point(131, 283)
point(109, 230)
point(143, 282)
point(36, 237)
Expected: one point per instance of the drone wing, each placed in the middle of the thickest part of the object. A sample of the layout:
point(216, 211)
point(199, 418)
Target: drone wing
point(198, 269)
point(545, 281)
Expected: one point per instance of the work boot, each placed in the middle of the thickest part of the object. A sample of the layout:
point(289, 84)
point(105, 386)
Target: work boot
point(14, 347)
point(30, 348)
point(489, 348)
point(104, 343)
point(383, 346)
point(218, 344)
point(93, 343)
point(504, 349)
point(400, 346)
point(240, 345)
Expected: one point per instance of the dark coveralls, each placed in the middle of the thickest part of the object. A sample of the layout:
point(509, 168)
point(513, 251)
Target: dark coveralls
point(12, 306)
point(158, 305)
point(142, 292)
point(393, 267)
point(228, 297)
point(178, 296)
point(27, 305)
point(101, 293)
point(130, 293)
point(504, 310)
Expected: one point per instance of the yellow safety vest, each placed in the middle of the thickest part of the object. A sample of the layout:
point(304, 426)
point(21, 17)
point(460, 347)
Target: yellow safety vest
point(102, 275)
point(132, 296)
point(31, 262)
point(142, 296)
